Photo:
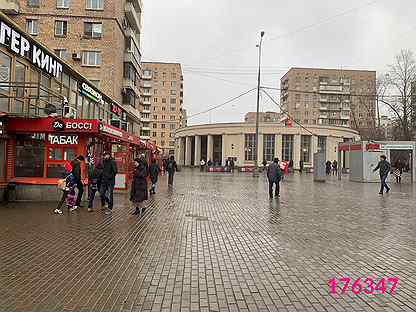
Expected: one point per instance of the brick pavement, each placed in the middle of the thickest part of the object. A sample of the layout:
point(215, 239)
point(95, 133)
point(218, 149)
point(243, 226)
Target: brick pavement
point(216, 243)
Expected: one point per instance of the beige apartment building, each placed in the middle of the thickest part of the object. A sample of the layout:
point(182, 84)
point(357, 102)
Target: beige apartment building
point(163, 100)
point(98, 38)
point(330, 97)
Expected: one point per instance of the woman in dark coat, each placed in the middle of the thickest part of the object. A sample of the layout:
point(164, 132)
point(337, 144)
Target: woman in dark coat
point(139, 185)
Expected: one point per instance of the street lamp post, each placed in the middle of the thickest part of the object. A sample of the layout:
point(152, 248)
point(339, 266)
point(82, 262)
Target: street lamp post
point(256, 168)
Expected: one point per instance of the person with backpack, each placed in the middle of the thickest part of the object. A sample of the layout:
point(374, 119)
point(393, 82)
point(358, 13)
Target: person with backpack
point(171, 168)
point(76, 171)
point(274, 175)
point(138, 193)
point(384, 167)
point(67, 185)
point(94, 184)
point(154, 171)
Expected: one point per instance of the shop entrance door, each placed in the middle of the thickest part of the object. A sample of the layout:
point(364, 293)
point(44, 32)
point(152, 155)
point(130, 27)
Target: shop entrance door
point(403, 158)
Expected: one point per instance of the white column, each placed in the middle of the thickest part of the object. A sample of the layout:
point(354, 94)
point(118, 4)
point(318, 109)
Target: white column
point(296, 151)
point(197, 158)
point(314, 148)
point(278, 146)
point(260, 155)
point(223, 150)
point(188, 151)
point(210, 147)
point(182, 149)
point(177, 149)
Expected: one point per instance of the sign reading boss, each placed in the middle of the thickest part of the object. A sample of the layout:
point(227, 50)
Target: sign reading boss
point(60, 125)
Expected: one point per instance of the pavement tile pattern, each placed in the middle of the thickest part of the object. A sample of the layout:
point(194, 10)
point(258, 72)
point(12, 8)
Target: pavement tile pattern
point(213, 243)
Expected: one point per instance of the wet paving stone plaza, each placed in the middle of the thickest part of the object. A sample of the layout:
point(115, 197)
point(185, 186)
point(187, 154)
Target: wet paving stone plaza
point(217, 243)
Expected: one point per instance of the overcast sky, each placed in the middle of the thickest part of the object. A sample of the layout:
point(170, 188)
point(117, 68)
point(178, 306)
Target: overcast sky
point(215, 41)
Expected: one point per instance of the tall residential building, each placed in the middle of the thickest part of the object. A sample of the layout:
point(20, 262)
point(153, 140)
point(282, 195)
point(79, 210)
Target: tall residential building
point(98, 38)
point(330, 97)
point(163, 99)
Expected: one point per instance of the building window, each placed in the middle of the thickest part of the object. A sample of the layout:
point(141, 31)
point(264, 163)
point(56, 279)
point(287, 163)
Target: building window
point(163, 108)
point(155, 91)
point(32, 26)
point(305, 146)
point(155, 117)
point(287, 147)
point(172, 117)
point(268, 146)
point(154, 134)
point(163, 126)
point(61, 53)
point(93, 30)
point(30, 154)
point(322, 144)
point(91, 58)
point(164, 101)
point(162, 134)
point(173, 84)
point(62, 4)
point(172, 108)
point(155, 100)
point(33, 3)
point(173, 101)
point(172, 92)
point(95, 4)
point(129, 98)
point(172, 127)
point(61, 28)
point(250, 147)
point(163, 117)
point(155, 126)
point(162, 143)
point(171, 143)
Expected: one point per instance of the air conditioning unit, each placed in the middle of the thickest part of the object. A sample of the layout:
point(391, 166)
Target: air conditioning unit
point(70, 112)
point(76, 56)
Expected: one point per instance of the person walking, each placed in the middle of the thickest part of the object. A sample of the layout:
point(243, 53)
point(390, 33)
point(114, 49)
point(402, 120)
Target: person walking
point(154, 175)
point(94, 184)
point(328, 167)
point(67, 185)
point(301, 166)
point(76, 172)
point(232, 165)
point(138, 193)
point(202, 165)
point(335, 168)
point(274, 175)
point(108, 182)
point(171, 168)
point(398, 171)
point(384, 167)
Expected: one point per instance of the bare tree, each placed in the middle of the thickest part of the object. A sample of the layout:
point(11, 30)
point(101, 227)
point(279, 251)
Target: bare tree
point(401, 75)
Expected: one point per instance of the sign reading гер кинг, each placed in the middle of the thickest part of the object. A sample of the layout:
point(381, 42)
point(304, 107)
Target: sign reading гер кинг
point(20, 45)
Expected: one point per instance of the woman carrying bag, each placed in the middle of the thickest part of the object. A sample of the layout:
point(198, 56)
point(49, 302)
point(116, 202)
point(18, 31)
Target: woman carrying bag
point(139, 191)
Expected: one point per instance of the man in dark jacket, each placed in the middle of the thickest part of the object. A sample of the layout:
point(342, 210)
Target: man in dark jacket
point(154, 174)
point(384, 167)
point(108, 182)
point(76, 172)
point(274, 174)
point(171, 168)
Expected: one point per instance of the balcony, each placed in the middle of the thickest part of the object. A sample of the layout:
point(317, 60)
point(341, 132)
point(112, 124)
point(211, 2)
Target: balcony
point(146, 128)
point(147, 93)
point(145, 119)
point(147, 75)
point(129, 57)
point(344, 117)
point(133, 112)
point(323, 100)
point(127, 83)
point(11, 7)
point(145, 137)
point(146, 102)
point(133, 16)
point(323, 116)
point(323, 108)
point(147, 84)
point(146, 111)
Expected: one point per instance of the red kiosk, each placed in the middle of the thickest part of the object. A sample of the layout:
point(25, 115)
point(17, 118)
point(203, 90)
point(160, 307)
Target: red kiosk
point(37, 149)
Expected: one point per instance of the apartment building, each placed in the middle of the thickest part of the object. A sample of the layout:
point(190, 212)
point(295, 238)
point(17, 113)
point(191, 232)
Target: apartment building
point(163, 100)
point(330, 97)
point(98, 38)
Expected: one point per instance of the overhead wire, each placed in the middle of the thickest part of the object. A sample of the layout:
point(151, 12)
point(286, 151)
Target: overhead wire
point(222, 104)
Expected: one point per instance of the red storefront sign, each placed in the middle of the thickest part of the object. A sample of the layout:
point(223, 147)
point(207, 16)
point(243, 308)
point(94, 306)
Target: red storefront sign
point(356, 147)
point(47, 125)
point(373, 147)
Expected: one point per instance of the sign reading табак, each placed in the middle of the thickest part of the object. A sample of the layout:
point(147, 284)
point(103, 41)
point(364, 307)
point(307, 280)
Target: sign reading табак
point(63, 139)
